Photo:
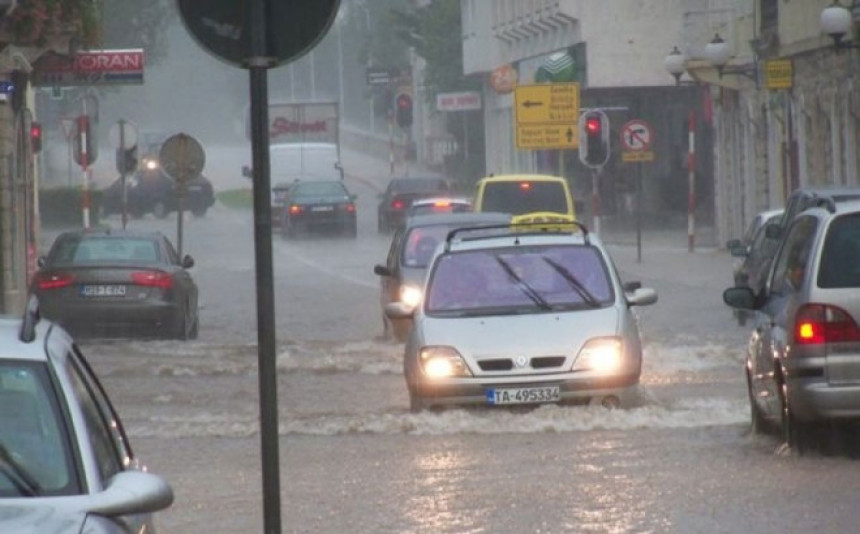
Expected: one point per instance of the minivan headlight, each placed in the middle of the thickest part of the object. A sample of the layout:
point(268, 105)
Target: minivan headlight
point(604, 355)
point(410, 295)
point(442, 362)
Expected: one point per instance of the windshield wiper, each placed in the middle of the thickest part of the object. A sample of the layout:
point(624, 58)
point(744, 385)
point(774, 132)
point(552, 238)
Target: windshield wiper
point(529, 291)
point(18, 475)
point(577, 286)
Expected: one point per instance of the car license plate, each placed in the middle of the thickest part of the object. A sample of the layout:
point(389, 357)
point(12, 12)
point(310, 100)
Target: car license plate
point(103, 291)
point(523, 395)
point(322, 208)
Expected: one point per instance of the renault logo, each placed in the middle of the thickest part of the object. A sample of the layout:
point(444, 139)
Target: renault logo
point(521, 361)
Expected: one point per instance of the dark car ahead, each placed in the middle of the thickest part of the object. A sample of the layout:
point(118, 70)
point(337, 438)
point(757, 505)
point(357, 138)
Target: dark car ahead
point(318, 207)
point(150, 190)
point(401, 192)
point(117, 283)
point(412, 247)
point(755, 251)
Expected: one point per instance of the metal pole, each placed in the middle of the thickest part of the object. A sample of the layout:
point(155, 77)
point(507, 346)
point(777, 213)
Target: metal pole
point(639, 212)
point(691, 182)
point(123, 181)
point(268, 372)
point(85, 194)
point(595, 200)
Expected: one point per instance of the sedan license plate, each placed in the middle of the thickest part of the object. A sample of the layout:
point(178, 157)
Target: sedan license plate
point(523, 395)
point(322, 208)
point(103, 291)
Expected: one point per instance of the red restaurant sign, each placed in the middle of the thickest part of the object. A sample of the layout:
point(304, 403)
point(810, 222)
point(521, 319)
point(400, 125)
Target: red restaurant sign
point(90, 67)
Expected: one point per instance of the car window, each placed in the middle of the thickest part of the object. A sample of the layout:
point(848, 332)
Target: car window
point(420, 243)
point(110, 457)
point(524, 279)
point(793, 260)
point(32, 436)
point(99, 249)
point(524, 197)
point(314, 189)
point(840, 257)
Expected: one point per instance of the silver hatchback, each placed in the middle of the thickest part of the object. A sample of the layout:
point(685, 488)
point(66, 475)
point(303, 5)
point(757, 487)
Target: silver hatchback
point(803, 356)
point(520, 315)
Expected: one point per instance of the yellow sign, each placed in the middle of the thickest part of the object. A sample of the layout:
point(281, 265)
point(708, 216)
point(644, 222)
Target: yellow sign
point(546, 136)
point(778, 74)
point(547, 116)
point(628, 156)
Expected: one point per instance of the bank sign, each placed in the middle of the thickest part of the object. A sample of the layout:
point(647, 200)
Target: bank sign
point(90, 67)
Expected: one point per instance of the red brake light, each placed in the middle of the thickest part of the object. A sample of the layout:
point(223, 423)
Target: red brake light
point(295, 210)
point(816, 324)
point(442, 204)
point(159, 279)
point(525, 186)
point(350, 208)
point(398, 204)
point(53, 281)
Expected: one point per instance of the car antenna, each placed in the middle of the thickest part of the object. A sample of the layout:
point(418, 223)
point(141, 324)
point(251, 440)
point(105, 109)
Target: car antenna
point(28, 322)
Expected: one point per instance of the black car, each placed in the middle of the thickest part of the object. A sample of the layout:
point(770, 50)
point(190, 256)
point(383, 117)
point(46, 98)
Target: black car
point(318, 207)
point(401, 192)
point(153, 191)
point(117, 283)
point(755, 251)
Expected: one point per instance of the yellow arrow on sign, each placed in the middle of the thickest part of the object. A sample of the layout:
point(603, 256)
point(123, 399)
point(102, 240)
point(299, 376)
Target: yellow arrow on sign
point(547, 103)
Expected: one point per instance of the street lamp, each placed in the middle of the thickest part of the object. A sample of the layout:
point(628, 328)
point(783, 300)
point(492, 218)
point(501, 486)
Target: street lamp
point(674, 63)
point(836, 21)
point(718, 53)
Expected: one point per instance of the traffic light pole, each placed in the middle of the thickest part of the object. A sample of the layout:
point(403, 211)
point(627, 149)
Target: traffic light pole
point(595, 199)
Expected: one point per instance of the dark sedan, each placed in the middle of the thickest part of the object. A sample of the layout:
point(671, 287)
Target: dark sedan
point(401, 192)
point(412, 248)
point(111, 283)
point(318, 206)
point(153, 191)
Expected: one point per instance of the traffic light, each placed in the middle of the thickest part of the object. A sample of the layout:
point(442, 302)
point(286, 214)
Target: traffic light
point(126, 160)
point(403, 110)
point(36, 137)
point(594, 138)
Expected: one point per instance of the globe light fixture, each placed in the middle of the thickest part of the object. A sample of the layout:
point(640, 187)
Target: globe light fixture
point(674, 63)
point(835, 21)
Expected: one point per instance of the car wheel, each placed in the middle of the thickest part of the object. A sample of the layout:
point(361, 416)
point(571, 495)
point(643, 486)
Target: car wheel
point(159, 209)
point(185, 326)
point(759, 424)
point(195, 328)
point(352, 231)
point(382, 225)
point(416, 402)
point(794, 432)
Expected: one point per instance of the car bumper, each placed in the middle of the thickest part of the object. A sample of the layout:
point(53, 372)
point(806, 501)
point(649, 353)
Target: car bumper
point(813, 400)
point(120, 319)
point(572, 390)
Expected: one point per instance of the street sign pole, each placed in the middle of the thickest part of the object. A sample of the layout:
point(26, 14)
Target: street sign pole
point(123, 174)
point(85, 193)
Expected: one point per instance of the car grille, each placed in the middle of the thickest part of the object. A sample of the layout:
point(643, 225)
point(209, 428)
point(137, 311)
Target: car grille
point(507, 364)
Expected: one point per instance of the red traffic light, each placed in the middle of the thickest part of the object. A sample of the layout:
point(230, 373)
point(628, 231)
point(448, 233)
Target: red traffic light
point(593, 125)
point(36, 137)
point(404, 101)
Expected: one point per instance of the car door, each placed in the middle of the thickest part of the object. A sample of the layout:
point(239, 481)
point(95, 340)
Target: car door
point(773, 325)
point(391, 284)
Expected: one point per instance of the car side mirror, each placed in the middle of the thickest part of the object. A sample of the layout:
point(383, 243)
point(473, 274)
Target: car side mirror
point(381, 270)
point(187, 262)
point(41, 261)
point(246, 171)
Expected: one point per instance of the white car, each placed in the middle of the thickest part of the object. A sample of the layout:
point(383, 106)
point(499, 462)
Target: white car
point(66, 465)
point(523, 314)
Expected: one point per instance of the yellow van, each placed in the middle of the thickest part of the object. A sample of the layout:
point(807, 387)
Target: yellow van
point(527, 197)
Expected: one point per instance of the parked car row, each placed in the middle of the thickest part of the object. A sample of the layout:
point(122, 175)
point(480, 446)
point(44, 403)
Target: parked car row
point(803, 357)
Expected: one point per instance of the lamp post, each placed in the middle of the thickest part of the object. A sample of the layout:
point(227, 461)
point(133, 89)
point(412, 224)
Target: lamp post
point(674, 63)
point(836, 21)
point(718, 52)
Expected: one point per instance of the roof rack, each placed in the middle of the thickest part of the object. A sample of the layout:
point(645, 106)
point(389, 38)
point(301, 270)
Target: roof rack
point(29, 321)
point(519, 230)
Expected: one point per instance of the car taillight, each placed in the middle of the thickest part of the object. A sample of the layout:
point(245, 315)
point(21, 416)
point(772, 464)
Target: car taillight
point(816, 324)
point(398, 204)
point(159, 279)
point(54, 281)
point(295, 210)
point(350, 208)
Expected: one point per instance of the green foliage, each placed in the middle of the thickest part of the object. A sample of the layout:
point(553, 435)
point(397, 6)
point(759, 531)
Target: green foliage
point(434, 31)
point(136, 24)
point(34, 22)
point(61, 207)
